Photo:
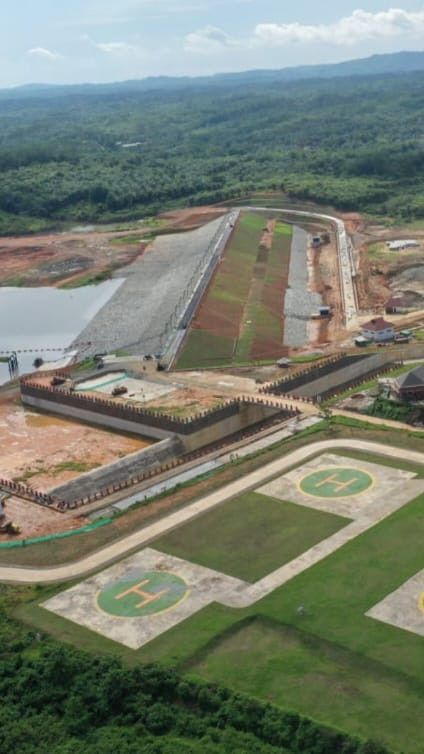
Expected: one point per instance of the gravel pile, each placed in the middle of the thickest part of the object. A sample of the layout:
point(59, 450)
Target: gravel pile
point(139, 314)
point(299, 303)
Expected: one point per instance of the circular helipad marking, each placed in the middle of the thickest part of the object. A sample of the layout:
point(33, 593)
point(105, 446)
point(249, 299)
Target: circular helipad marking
point(338, 481)
point(421, 602)
point(151, 592)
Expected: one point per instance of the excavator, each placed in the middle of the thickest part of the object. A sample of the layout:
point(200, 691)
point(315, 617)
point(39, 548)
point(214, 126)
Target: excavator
point(7, 526)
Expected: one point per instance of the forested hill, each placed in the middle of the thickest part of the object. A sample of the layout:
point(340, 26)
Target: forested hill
point(397, 62)
point(354, 142)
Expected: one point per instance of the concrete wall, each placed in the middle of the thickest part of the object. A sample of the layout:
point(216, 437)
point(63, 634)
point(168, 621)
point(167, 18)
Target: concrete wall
point(350, 373)
point(292, 384)
point(248, 415)
point(131, 466)
point(93, 417)
point(227, 421)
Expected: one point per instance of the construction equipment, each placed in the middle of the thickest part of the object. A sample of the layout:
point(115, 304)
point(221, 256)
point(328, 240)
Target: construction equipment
point(9, 527)
point(119, 390)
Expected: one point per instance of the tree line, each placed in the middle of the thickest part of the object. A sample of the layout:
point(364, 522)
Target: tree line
point(352, 142)
point(65, 702)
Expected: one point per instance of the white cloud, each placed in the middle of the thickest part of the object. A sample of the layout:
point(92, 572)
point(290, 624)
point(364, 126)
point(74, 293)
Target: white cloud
point(358, 27)
point(208, 40)
point(44, 54)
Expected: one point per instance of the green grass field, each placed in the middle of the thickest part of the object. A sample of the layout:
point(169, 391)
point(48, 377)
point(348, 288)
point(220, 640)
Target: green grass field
point(204, 348)
point(250, 536)
point(331, 662)
point(211, 342)
point(262, 332)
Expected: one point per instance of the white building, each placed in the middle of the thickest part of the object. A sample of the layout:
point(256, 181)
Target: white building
point(378, 330)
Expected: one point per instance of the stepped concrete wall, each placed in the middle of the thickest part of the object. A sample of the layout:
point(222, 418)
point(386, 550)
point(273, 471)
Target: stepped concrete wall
point(131, 466)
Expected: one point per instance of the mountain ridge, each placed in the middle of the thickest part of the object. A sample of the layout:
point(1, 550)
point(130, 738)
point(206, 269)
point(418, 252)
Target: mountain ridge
point(381, 64)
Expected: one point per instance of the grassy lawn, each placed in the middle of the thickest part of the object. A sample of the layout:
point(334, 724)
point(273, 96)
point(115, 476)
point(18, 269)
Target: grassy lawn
point(250, 536)
point(332, 663)
point(245, 299)
point(307, 358)
point(205, 349)
point(338, 666)
point(316, 678)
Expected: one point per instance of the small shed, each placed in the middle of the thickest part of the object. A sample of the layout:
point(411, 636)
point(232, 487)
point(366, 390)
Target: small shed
point(406, 243)
point(397, 305)
point(361, 342)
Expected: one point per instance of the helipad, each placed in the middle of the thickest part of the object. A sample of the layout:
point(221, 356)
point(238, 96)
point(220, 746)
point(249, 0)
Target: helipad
point(338, 484)
point(136, 600)
point(151, 592)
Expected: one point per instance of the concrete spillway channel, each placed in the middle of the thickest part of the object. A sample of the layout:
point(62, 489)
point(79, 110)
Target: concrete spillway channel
point(299, 302)
point(346, 264)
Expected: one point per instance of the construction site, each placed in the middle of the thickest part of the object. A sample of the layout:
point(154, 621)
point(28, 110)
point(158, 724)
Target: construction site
point(192, 448)
point(181, 359)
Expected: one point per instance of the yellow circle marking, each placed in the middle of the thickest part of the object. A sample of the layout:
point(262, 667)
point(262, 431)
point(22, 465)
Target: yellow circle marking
point(150, 615)
point(421, 602)
point(354, 494)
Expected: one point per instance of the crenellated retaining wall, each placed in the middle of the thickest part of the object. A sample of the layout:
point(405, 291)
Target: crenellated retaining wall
point(334, 376)
point(200, 429)
point(181, 440)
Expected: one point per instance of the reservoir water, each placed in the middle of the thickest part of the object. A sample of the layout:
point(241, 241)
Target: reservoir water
point(46, 318)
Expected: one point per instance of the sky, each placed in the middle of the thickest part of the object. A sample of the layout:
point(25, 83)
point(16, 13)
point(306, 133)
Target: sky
point(74, 41)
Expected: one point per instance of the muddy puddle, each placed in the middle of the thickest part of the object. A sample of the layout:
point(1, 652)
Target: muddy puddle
point(44, 321)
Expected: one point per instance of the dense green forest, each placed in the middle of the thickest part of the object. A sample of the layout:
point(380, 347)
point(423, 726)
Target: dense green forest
point(57, 700)
point(356, 143)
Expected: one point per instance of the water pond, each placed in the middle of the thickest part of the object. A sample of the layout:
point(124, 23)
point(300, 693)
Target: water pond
point(37, 319)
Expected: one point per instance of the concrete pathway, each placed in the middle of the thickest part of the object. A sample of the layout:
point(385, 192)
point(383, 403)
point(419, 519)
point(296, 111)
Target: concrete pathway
point(140, 538)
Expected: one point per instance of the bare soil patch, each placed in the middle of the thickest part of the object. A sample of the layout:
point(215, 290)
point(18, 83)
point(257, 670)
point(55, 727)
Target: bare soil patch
point(187, 401)
point(36, 521)
point(62, 258)
point(193, 217)
point(57, 258)
point(45, 451)
point(383, 272)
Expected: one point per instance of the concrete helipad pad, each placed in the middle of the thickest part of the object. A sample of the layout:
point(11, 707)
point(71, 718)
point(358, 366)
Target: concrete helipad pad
point(340, 485)
point(134, 601)
point(403, 608)
point(336, 482)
